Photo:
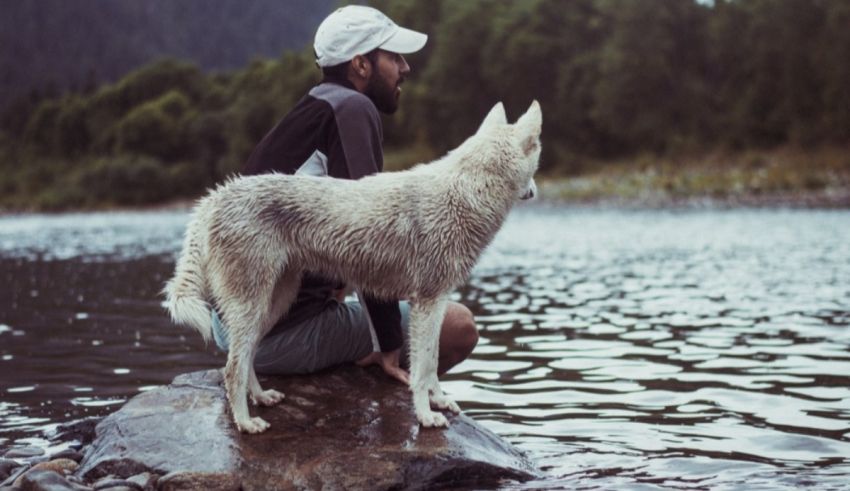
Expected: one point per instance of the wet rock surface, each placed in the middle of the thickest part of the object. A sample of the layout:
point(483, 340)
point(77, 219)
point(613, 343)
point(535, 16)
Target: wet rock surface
point(23, 452)
point(344, 429)
point(45, 480)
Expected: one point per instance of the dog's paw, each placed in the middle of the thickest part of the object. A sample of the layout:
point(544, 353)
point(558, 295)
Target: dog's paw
point(268, 397)
point(253, 425)
point(443, 402)
point(430, 419)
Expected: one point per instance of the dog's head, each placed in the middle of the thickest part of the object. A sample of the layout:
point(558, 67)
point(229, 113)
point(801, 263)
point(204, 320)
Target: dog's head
point(518, 145)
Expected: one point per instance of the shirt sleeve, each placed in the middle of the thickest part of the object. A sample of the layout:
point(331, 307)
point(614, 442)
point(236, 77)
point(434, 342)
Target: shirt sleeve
point(355, 149)
point(386, 321)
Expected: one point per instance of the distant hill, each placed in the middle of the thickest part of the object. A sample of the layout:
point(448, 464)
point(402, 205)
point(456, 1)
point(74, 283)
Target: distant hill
point(60, 44)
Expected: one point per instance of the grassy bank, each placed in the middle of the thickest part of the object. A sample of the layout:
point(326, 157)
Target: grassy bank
point(785, 176)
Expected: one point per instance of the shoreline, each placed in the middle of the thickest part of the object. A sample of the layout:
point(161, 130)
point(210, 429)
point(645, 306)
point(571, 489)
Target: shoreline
point(831, 199)
point(786, 177)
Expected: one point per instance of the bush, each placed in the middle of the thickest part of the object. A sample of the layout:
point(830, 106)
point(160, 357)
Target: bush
point(40, 131)
point(125, 180)
point(72, 136)
point(155, 128)
point(189, 179)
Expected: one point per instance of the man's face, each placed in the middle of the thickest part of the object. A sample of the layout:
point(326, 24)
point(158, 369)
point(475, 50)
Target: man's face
point(388, 74)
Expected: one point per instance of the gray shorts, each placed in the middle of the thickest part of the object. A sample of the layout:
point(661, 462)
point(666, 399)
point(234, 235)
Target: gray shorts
point(339, 334)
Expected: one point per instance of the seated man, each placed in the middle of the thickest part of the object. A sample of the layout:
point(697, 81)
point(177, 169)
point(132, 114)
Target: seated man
point(335, 130)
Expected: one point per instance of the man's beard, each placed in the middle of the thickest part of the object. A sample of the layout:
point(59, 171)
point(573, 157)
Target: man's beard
point(382, 94)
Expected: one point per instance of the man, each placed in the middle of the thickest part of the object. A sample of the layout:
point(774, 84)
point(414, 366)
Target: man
point(335, 130)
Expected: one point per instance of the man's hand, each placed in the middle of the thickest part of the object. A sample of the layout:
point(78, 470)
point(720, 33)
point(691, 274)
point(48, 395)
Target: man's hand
point(389, 361)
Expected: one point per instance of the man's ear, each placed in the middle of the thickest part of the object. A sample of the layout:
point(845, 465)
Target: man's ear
point(361, 66)
point(495, 117)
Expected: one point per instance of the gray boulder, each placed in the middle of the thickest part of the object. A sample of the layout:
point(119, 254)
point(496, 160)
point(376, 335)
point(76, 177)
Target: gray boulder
point(344, 429)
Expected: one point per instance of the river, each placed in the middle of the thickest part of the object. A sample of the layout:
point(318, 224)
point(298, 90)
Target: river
point(642, 349)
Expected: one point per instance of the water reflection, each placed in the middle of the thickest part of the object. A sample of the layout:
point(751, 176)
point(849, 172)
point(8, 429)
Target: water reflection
point(697, 349)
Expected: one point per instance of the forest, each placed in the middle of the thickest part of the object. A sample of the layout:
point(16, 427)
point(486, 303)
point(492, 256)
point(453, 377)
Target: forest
point(54, 45)
point(623, 84)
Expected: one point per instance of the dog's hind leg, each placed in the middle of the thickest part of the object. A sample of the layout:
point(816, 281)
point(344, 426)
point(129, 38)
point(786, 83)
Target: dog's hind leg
point(248, 321)
point(426, 317)
point(285, 292)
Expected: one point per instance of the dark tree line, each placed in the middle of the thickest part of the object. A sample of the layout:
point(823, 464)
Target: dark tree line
point(52, 45)
point(616, 78)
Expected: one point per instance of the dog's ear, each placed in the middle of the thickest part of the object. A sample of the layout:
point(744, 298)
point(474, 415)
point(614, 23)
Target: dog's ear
point(496, 116)
point(529, 127)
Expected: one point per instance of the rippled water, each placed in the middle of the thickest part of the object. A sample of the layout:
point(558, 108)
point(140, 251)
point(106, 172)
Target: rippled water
point(620, 349)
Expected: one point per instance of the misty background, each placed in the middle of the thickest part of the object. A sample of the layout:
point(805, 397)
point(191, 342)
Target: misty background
point(108, 103)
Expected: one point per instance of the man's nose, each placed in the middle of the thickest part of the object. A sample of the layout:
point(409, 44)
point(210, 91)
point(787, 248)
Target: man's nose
point(405, 68)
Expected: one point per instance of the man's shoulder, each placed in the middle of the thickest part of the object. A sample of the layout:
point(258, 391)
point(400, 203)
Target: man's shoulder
point(344, 100)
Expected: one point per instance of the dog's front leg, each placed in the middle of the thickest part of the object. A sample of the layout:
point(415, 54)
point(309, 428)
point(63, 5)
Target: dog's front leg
point(426, 317)
point(439, 399)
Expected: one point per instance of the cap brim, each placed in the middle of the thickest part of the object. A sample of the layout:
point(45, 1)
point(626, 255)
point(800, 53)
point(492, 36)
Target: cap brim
point(405, 41)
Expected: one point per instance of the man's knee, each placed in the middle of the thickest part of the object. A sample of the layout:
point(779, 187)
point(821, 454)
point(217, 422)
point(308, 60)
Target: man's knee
point(461, 324)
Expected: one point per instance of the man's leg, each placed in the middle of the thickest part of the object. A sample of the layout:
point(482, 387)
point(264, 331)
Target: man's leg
point(458, 336)
point(341, 335)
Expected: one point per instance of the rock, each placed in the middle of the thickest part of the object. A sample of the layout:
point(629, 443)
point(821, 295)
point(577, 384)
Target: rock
point(112, 484)
point(349, 428)
point(6, 468)
point(81, 430)
point(68, 453)
point(146, 480)
point(199, 481)
point(24, 452)
point(46, 480)
point(62, 466)
point(14, 475)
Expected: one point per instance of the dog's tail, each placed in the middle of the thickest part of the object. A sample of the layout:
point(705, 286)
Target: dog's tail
point(185, 293)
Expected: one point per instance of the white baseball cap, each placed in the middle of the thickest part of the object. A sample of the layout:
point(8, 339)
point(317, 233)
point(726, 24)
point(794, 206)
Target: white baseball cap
point(356, 30)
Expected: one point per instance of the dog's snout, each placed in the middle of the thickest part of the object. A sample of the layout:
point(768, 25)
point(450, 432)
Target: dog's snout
point(531, 192)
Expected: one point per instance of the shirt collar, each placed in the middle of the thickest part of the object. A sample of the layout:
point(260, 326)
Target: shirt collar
point(338, 81)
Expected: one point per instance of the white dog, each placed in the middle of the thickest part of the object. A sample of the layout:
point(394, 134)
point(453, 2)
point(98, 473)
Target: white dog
point(413, 234)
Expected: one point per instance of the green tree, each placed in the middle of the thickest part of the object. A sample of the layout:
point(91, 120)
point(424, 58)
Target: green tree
point(40, 131)
point(781, 97)
point(545, 47)
point(458, 92)
point(155, 128)
point(651, 82)
point(834, 60)
point(114, 102)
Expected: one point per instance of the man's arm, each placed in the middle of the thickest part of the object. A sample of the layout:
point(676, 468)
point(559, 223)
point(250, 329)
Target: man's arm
point(355, 147)
point(355, 152)
point(386, 320)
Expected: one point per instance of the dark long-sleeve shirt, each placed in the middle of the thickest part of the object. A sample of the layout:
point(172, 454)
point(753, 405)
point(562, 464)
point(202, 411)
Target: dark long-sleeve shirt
point(333, 131)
